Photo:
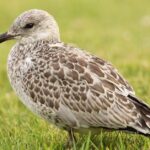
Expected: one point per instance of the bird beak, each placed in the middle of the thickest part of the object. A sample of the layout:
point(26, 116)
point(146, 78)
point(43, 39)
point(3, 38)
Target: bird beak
point(5, 36)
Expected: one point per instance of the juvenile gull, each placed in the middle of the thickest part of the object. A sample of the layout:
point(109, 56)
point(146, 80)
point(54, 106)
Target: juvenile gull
point(70, 88)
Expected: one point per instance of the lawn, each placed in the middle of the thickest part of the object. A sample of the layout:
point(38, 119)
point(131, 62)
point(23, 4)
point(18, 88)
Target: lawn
point(118, 31)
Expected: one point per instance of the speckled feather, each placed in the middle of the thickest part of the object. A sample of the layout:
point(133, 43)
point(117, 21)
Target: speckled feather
point(70, 87)
point(59, 78)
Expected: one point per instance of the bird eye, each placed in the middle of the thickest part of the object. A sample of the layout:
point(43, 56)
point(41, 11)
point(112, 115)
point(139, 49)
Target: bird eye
point(28, 26)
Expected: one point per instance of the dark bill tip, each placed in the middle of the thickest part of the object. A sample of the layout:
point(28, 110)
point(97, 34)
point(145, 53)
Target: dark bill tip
point(5, 36)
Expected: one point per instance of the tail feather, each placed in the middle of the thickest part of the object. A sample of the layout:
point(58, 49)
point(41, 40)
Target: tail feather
point(143, 125)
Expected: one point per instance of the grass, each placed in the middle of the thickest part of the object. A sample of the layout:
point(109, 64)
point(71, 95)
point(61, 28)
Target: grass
point(118, 31)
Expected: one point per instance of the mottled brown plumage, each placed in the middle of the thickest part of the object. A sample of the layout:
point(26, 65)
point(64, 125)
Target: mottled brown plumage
point(67, 86)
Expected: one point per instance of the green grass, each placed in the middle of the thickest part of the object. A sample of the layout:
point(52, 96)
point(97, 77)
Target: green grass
point(118, 31)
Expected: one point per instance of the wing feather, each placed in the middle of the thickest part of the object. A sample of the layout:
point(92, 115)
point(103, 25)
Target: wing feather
point(88, 87)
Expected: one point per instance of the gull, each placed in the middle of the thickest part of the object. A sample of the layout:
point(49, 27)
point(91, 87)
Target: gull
point(68, 87)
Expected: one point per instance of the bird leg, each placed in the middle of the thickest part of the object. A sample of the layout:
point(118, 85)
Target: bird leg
point(71, 139)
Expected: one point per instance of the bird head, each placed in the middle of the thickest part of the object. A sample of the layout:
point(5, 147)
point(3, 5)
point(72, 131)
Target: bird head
point(33, 25)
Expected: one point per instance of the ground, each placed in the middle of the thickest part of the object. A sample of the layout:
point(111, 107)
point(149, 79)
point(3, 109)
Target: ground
point(118, 31)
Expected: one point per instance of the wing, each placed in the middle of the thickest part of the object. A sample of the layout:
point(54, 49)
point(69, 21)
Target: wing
point(81, 89)
point(97, 93)
point(113, 75)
